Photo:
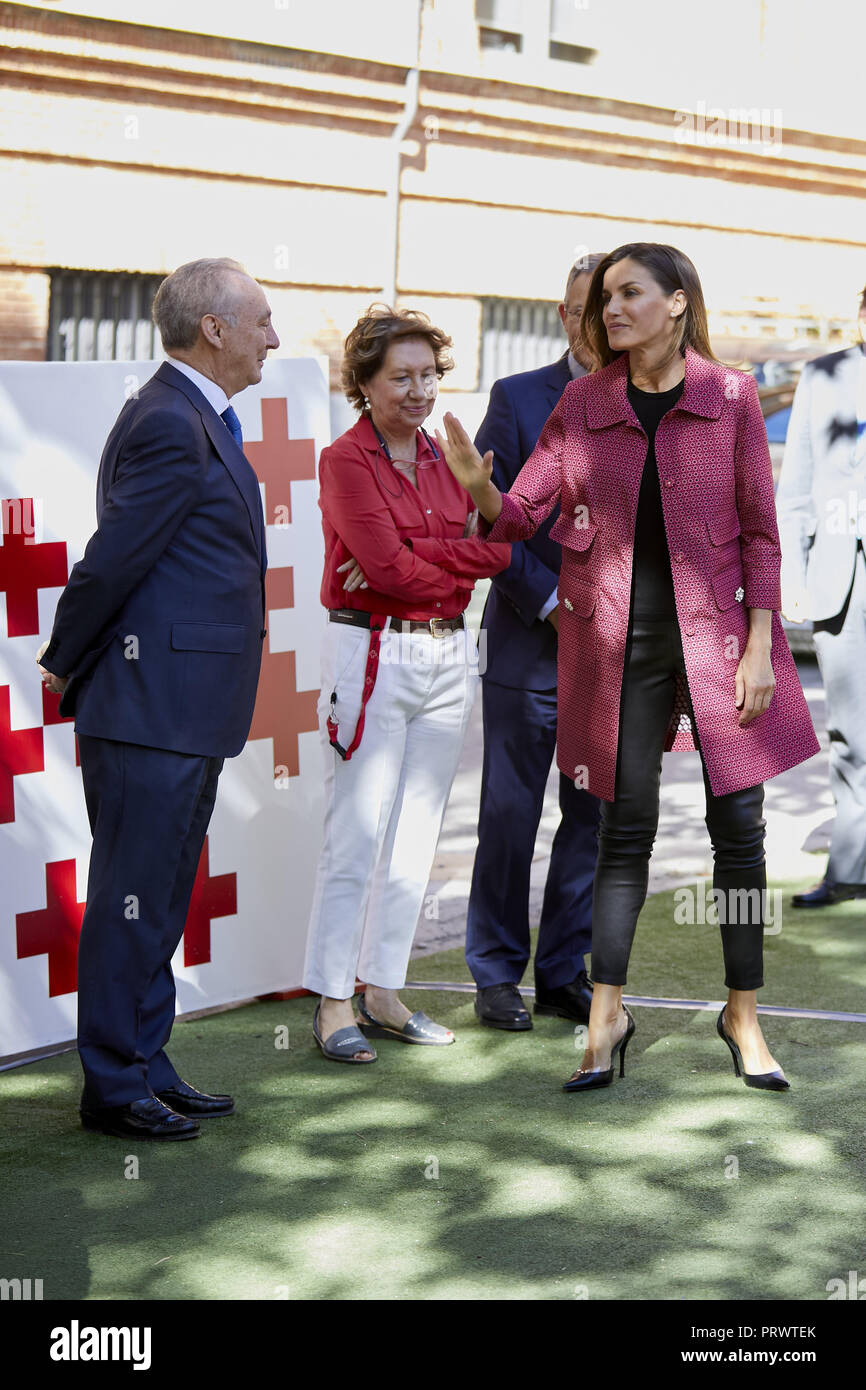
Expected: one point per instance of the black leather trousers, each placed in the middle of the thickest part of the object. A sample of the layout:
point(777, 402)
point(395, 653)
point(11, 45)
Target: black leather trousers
point(654, 655)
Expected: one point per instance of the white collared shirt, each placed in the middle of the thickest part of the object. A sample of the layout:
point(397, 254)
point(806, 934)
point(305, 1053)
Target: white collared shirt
point(213, 394)
point(574, 367)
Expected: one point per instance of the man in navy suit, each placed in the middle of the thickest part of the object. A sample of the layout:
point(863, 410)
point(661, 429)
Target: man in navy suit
point(519, 715)
point(156, 649)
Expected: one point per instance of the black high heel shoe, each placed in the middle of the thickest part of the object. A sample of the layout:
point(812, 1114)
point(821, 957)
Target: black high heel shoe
point(762, 1081)
point(591, 1080)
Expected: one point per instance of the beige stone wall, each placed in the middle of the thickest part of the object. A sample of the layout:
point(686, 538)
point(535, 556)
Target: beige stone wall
point(133, 148)
point(23, 314)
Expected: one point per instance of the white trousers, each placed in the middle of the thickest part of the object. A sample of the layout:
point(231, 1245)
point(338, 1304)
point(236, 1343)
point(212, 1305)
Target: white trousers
point(384, 807)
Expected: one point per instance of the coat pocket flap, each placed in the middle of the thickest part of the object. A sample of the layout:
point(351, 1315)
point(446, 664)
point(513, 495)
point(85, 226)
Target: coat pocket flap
point(577, 597)
point(723, 528)
point(573, 532)
point(728, 586)
point(208, 637)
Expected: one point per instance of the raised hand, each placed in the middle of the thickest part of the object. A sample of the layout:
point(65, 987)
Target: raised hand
point(469, 468)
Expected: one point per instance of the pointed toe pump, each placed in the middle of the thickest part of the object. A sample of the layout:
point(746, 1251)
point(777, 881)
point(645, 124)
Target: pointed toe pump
point(592, 1080)
point(762, 1081)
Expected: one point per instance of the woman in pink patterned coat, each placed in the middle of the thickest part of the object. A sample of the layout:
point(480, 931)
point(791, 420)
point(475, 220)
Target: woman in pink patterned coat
point(668, 614)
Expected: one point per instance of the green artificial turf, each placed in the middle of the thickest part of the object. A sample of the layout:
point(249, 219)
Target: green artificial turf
point(466, 1172)
point(816, 959)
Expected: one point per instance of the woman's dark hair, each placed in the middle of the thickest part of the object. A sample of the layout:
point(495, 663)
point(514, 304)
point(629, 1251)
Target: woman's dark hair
point(375, 331)
point(671, 270)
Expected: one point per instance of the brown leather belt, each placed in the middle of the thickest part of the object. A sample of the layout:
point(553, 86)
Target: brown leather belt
point(437, 627)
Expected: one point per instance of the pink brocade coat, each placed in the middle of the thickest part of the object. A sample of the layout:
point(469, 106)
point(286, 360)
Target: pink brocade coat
point(717, 497)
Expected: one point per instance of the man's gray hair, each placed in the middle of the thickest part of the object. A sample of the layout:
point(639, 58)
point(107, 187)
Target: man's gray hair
point(584, 266)
point(208, 286)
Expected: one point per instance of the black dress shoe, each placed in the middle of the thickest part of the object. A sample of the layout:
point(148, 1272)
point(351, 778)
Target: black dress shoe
point(501, 1006)
point(572, 1001)
point(186, 1100)
point(827, 893)
point(140, 1119)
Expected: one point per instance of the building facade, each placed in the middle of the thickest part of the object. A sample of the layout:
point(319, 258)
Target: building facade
point(453, 155)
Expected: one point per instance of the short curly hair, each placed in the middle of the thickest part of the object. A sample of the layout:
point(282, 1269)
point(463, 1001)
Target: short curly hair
point(373, 334)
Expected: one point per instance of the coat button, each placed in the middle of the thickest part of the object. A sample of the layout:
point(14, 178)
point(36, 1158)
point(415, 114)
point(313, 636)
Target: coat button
point(569, 605)
point(264, 632)
point(678, 557)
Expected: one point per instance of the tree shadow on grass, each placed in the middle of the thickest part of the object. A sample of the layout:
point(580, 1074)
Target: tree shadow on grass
point(462, 1172)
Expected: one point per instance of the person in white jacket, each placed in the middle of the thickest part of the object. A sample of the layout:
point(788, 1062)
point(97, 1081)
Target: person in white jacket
point(821, 507)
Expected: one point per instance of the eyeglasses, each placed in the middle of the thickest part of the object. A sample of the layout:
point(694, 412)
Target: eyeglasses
point(410, 463)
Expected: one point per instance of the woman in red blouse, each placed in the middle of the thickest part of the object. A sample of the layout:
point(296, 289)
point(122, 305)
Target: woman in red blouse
point(399, 676)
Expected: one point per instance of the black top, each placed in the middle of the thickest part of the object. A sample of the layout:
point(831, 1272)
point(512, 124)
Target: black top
point(652, 585)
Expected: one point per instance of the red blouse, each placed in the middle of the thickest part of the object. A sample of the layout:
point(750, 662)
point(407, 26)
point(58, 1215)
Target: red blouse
point(408, 540)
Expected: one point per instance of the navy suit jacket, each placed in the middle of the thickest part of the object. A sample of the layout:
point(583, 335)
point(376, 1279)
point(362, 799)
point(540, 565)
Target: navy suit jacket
point(520, 648)
point(160, 626)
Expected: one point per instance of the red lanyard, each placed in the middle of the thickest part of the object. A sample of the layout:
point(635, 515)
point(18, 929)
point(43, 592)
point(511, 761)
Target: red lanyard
point(377, 623)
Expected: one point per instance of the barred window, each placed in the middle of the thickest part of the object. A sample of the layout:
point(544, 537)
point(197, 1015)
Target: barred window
point(571, 32)
point(101, 316)
point(500, 24)
point(567, 30)
point(517, 335)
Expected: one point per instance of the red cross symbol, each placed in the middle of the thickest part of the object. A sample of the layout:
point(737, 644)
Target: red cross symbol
point(53, 930)
point(51, 708)
point(20, 751)
point(279, 587)
point(278, 460)
point(211, 897)
point(51, 715)
point(282, 711)
point(25, 568)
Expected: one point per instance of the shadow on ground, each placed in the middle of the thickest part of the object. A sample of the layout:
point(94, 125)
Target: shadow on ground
point(466, 1172)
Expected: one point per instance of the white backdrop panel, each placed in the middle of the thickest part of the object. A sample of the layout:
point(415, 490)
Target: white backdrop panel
point(266, 827)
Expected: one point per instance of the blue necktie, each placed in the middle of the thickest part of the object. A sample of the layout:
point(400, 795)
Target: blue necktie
point(233, 424)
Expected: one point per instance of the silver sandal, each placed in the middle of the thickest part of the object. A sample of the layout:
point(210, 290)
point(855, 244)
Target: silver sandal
point(342, 1045)
point(417, 1029)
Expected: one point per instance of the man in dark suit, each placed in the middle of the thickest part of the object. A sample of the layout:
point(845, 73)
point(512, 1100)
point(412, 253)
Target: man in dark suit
point(156, 648)
point(519, 714)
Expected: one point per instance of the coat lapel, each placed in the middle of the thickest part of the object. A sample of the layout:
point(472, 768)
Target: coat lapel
point(242, 473)
point(607, 394)
point(556, 379)
point(606, 399)
point(230, 454)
